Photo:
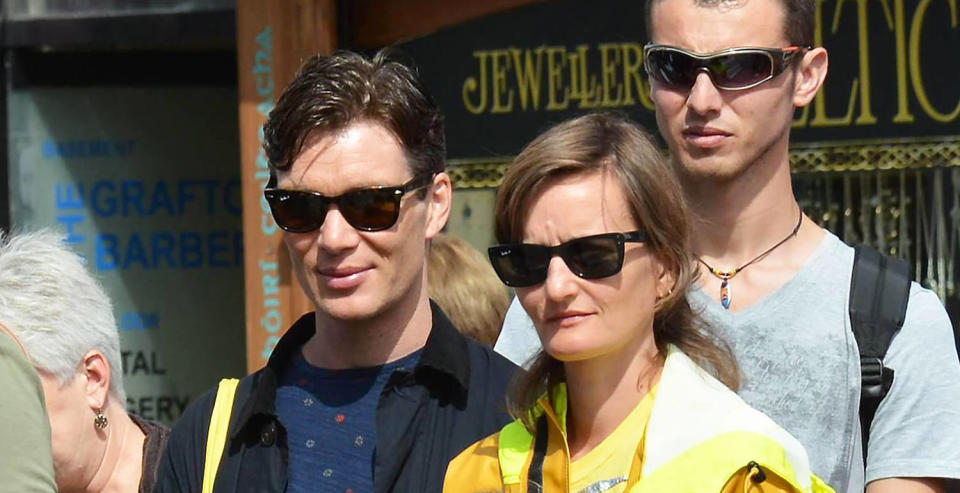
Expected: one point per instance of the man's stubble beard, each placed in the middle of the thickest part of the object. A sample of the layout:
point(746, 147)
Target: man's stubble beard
point(723, 171)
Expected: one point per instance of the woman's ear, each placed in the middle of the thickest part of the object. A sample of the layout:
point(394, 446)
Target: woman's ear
point(96, 370)
point(666, 277)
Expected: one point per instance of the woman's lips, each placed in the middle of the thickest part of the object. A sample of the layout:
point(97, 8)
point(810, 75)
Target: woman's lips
point(568, 319)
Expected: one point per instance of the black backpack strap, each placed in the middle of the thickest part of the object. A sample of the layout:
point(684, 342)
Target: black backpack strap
point(535, 472)
point(878, 305)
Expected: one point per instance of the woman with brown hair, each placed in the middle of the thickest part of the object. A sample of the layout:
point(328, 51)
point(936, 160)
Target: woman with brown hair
point(626, 395)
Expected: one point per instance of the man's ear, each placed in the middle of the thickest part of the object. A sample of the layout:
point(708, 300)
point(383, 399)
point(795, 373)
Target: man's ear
point(96, 370)
point(439, 202)
point(809, 76)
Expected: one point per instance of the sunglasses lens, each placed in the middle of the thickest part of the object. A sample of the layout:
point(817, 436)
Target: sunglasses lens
point(593, 257)
point(675, 68)
point(739, 70)
point(296, 212)
point(372, 209)
point(520, 265)
point(670, 67)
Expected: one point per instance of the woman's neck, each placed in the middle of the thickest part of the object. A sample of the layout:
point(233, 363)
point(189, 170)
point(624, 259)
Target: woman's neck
point(603, 391)
point(121, 465)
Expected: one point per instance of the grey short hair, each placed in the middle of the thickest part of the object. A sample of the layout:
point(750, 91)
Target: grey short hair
point(55, 306)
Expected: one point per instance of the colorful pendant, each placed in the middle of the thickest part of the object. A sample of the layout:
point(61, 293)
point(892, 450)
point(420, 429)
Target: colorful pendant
point(725, 276)
point(725, 294)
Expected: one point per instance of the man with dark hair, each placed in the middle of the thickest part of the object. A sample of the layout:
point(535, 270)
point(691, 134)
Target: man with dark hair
point(376, 390)
point(726, 77)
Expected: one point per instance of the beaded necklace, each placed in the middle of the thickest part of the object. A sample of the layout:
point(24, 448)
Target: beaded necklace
point(726, 275)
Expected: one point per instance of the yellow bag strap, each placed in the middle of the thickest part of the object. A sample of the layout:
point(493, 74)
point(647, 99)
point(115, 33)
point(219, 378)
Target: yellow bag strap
point(217, 434)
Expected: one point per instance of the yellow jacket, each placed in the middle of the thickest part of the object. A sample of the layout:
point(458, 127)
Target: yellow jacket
point(701, 438)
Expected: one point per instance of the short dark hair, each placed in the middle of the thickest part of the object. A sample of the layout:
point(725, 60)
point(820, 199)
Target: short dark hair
point(799, 20)
point(332, 92)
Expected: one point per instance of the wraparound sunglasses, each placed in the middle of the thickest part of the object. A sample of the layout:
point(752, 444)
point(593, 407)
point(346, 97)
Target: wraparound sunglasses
point(589, 257)
point(366, 209)
point(734, 69)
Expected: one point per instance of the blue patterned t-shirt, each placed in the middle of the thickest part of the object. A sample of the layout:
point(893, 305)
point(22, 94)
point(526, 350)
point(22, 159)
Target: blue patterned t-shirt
point(330, 416)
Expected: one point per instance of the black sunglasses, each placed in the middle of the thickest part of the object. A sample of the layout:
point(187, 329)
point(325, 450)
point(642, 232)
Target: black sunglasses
point(367, 209)
point(734, 69)
point(589, 257)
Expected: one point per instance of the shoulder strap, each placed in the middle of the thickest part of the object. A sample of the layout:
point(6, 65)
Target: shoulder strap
point(217, 434)
point(879, 290)
point(513, 446)
point(535, 473)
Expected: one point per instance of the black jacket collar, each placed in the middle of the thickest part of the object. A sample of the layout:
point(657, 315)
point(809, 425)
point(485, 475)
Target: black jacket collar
point(444, 367)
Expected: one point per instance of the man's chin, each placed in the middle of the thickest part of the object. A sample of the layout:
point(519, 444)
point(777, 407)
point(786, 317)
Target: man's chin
point(711, 167)
point(346, 310)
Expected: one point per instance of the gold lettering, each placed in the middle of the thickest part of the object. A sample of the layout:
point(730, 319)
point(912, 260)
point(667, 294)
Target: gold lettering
point(800, 120)
point(820, 118)
point(609, 59)
point(903, 105)
point(471, 85)
point(583, 85)
point(528, 72)
point(915, 68)
point(632, 66)
point(866, 113)
point(499, 64)
point(556, 60)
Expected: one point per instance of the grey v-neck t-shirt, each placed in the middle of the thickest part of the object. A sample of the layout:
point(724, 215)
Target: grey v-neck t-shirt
point(801, 366)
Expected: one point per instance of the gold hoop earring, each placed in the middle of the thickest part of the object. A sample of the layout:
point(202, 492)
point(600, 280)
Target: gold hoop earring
point(100, 422)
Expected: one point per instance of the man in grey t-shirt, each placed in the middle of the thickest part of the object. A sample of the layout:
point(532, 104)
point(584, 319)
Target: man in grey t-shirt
point(726, 77)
